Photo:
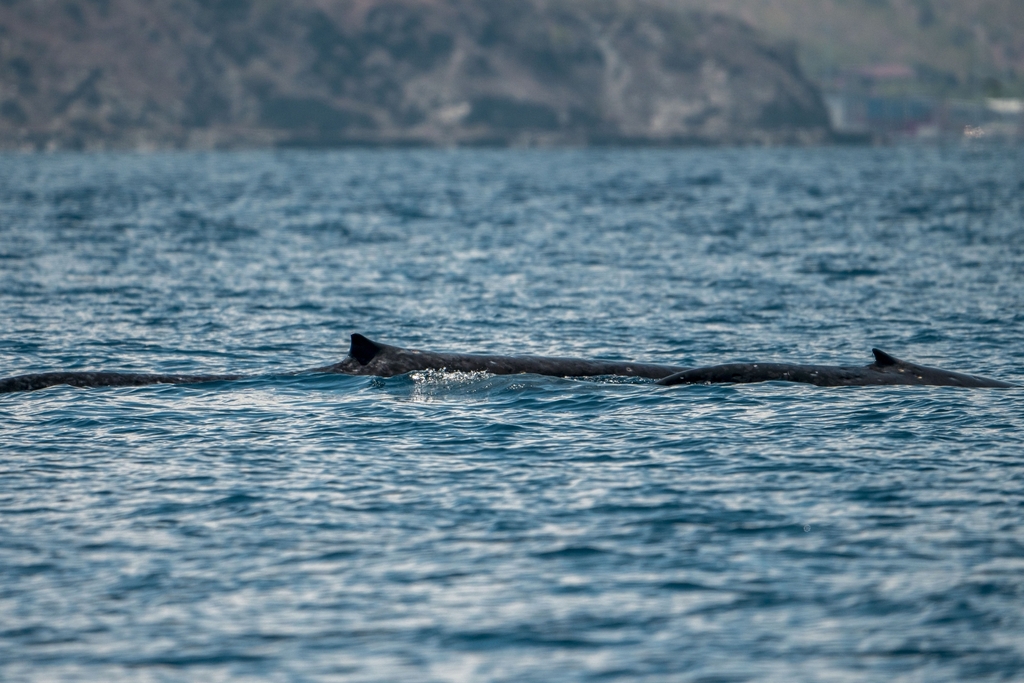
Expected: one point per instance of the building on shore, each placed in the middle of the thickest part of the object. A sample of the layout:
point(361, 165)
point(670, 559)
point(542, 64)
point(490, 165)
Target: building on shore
point(883, 105)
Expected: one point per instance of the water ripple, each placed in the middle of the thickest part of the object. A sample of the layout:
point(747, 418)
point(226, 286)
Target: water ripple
point(453, 527)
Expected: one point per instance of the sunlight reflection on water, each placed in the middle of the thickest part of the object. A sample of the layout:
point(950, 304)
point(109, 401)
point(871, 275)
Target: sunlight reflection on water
point(462, 526)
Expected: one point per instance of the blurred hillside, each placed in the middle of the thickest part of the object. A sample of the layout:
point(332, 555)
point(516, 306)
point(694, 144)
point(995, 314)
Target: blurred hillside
point(226, 73)
point(953, 48)
point(893, 70)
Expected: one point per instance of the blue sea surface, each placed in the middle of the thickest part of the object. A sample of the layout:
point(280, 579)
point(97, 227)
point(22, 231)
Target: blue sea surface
point(468, 527)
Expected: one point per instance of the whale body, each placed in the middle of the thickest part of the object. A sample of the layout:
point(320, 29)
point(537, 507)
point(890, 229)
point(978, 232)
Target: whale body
point(41, 380)
point(886, 370)
point(368, 357)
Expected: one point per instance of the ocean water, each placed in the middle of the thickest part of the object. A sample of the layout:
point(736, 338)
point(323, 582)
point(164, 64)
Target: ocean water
point(447, 527)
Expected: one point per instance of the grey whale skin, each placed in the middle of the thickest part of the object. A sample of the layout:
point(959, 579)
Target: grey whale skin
point(367, 357)
point(42, 380)
point(886, 370)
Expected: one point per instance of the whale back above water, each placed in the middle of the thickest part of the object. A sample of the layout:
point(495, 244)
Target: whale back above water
point(885, 370)
point(42, 380)
point(368, 357)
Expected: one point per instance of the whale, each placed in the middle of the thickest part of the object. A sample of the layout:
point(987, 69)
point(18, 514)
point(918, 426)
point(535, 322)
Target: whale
point(885, 370)
point(369, 357)
point(42, 380)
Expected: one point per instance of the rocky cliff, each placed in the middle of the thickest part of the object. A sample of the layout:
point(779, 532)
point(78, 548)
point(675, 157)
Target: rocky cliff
point(241, 73)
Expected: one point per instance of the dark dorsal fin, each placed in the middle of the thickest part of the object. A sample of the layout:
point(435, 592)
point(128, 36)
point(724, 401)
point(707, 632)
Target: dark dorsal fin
point(362, 349)
point(882, 359)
